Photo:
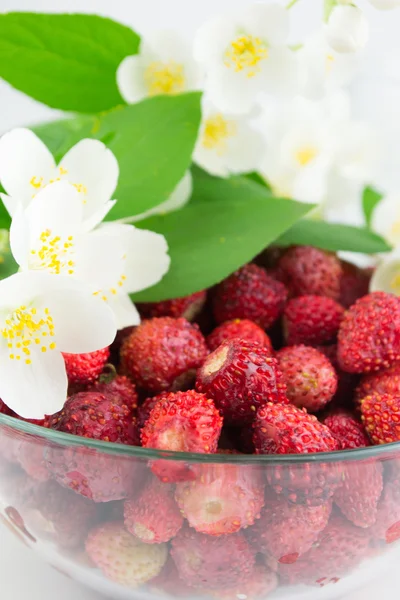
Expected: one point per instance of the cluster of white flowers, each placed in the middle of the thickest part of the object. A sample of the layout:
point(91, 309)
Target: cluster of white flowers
point(71, 293)
point(270, 107)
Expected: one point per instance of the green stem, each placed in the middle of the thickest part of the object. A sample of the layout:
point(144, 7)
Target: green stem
point(291, 3)
point(329, 5)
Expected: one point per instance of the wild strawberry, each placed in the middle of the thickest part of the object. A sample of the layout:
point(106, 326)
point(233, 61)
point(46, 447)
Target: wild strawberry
point(285, 429)
point(163, 354)
point(312, 320)
point(381, 417)
point(123, 558)
point(146, 407)
point(120, 389)
point(339, 548)
point(286, 531)
point(387, 524)
point(204, 561)
point(280, 429)
point(240, 376)
point(263, 582)
point(98, 476)
point(185, 422)
point(310, 378)
point(249, 293)
point(359, 494)
point(382, 382)
point(347, 382)
point(85, 368)
point(223, 498)
point(153, 516)
point(5, 410)
point(369, 335)
point(31, 459)
point(354, 284)
point(187, 307)
point(67, 516)
point(306, 270)
point(346, 429)
point(241, 329)
point(169, 582)
point(96, 416)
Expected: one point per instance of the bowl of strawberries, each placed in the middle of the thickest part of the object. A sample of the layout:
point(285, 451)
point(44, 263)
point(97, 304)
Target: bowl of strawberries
point(241, 442)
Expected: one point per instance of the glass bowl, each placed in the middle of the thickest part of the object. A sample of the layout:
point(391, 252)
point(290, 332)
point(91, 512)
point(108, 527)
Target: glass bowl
point(234, 526)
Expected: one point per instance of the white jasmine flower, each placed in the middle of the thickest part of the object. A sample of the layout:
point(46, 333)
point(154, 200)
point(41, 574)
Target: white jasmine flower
point(245, 55)
point(300, 150)
point(347, 29)
point(385, 4)
point(179, 197)
point(164, 65)
point(114, 259)
point(386, 277)
point(386, 219)
point(227, 143)
point(27, 167)
point(42, 316)
point(322, 69)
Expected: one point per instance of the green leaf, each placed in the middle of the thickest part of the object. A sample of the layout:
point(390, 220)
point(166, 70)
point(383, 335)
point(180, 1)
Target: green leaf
point(60, 136)
point(254, 176)
point(330, 236)
point(5, 219)
point(152, 140)
point(370, 200)
point(66, 61)
point(8, 266)
point(227, 223)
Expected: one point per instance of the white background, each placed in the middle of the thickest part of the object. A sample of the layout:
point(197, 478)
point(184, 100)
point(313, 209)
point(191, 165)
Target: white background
point(22, 575)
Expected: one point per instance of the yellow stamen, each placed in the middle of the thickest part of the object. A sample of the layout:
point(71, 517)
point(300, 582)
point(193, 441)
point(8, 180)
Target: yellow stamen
point(217, 130)
point(245, 54)
point(165, 78)
point(306, 155)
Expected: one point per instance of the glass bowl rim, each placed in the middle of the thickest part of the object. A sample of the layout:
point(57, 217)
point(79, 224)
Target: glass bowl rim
point(67, 439)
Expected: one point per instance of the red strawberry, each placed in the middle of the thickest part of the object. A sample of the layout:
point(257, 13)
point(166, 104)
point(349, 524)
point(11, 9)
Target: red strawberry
point(223, 499)
point(241, 329)
point(280, 429)
point(306, 270)
point(285, 531)
point(346, 429)
point(249, 293)
point(310, 378)
point(387, 524)
point(369, 336)
point(185, 422)
point(153, 516)
point(187, 307)
point(312, 320)
point(354, 284)
point(359, 494)
point(122, 557)
point(83, 369)
point(169, 582)
point(145, 409)
point(31, 459)
point(285, 429)
point(383, 382)
point(381, 417)
point(5, 410)
point(339, 548)
point(163, 354)
point(94, 415)
point(240, 376)
point(347, 382)
point(98, 476)
point(204, 561)
point(67, 516)
point(263, 582)
point(120, 389)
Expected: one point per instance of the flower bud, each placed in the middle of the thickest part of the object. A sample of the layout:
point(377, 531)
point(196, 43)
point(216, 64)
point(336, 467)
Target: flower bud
point(347, 29)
